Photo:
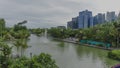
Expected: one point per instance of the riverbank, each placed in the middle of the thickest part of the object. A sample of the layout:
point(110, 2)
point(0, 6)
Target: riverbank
point(69, 55)
point(114, 54)
point(74, 41)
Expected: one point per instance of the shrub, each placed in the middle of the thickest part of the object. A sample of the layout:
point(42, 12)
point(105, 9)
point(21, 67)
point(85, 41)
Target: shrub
point(41, 61)
point(115, 54)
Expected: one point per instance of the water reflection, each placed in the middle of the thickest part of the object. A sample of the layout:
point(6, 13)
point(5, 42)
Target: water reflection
point(69, 55)
point(96, 56)
point(61, 44)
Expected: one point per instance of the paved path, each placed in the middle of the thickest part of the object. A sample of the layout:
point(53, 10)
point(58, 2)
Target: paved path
point(74, 42)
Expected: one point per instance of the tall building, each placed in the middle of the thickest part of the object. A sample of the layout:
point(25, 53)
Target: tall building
point(80, 22)
point(99, 19)
point(69, 24)
point(73, 24)
point(118, 17)
point(110, 16)
point(95, 20)
point(85, 19)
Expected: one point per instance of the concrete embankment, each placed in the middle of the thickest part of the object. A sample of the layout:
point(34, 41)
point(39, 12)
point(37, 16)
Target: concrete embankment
point(74, 42)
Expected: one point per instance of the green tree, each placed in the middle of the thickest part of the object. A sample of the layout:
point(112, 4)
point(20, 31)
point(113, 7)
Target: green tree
point(4, 56)
point(41, 61)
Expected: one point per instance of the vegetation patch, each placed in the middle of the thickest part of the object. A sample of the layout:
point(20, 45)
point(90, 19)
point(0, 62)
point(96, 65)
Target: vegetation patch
point(114, 54)
point(41, 61)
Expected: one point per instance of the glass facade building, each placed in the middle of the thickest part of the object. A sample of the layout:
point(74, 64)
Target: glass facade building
point(110, 16)
point(85, 19)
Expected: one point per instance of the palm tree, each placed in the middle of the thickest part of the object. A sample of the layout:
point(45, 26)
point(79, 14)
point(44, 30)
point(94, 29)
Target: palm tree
point(21, 43)
point(23, 34)
point(18, 45)
point(23, 46)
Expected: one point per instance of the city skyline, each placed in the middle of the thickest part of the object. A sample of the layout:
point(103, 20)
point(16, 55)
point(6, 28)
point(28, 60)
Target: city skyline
point(49, 13)
point(86, 19)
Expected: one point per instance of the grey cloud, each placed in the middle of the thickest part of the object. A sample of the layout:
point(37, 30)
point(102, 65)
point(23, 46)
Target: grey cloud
point(45, 13)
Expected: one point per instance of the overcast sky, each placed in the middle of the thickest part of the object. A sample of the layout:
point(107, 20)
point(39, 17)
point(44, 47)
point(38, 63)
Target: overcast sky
point(48, 13)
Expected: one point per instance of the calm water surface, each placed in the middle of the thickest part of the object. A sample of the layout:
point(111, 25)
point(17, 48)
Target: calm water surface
point(68, 55)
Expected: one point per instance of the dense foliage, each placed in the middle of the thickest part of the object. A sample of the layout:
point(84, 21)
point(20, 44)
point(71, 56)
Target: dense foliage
point(19, 31)
point(37, 31)
point(19, 35)
point(5, 52)
point(63, 33)
point(115, 54)
point(107, 33)
point(41, 61)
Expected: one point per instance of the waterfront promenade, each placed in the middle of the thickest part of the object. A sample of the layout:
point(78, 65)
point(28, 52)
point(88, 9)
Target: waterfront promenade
point(75, 41)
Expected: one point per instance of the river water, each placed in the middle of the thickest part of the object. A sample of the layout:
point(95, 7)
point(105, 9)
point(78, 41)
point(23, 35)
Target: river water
point(68, 55)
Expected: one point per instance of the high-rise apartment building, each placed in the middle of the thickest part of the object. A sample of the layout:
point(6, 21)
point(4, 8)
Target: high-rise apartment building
point(118, 17)
point(99, 19)
point(110, 16)
point(69, 24)
point(95, 20)
point(73, 24)
point(85, 19)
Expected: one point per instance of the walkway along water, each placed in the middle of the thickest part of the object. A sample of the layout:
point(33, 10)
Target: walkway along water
point(89, 45)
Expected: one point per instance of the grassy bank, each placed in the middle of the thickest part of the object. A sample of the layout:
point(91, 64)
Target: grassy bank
point(114, 54)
